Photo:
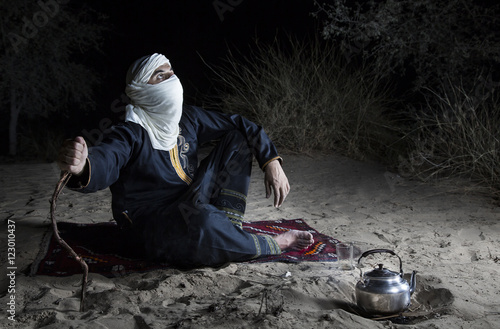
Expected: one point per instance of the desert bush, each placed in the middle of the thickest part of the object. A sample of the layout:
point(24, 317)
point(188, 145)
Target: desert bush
point(459, 139)
point(307, 98)
point(445, 55)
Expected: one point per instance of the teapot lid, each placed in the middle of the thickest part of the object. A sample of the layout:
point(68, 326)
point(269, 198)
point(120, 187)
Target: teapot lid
point(381, 272)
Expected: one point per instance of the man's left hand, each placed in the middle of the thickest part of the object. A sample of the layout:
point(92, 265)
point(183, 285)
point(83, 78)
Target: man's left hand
point(275, 180)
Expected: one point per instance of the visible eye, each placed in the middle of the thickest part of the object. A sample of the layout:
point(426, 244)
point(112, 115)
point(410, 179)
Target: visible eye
point(165, 75)
point(161, 74)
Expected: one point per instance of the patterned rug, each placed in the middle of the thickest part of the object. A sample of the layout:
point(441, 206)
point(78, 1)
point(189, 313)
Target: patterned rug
point(102, 250)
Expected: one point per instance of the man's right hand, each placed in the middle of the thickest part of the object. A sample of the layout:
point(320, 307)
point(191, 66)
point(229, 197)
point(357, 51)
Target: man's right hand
point(73, 155)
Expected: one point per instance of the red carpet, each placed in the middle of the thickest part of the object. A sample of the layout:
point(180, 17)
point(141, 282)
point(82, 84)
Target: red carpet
point(100, 247)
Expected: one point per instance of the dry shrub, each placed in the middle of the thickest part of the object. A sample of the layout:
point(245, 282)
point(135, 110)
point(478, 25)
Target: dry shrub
point(458, 137)
point(307, 98)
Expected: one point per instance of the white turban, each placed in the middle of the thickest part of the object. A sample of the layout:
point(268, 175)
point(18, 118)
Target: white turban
point(157, 108)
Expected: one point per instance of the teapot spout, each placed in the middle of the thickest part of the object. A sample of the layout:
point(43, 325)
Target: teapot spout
point(413, 282)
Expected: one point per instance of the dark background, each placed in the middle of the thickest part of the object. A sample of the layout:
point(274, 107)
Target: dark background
point(190, 33)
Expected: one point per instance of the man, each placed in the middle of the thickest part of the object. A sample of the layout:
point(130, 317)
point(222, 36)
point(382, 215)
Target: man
point(176, 210)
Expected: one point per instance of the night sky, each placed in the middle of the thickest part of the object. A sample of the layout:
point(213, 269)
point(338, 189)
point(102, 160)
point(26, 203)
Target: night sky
point(186, 31)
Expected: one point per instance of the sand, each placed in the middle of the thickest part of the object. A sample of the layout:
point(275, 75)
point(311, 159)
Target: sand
point(447, 233)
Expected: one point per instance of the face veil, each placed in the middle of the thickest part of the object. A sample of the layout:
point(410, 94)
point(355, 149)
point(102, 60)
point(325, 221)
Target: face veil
point(157, 108)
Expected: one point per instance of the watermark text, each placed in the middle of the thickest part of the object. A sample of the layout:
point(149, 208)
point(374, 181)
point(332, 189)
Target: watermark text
point(11, 269)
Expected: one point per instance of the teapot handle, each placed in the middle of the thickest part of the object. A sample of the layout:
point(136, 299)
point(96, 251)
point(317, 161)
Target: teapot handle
point(376, 251)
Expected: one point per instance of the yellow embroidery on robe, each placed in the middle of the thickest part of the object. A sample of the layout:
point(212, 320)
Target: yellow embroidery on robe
point(174, 158)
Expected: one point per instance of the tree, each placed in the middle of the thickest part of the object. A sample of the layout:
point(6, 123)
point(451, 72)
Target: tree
point(43, 46)
point(436, 40)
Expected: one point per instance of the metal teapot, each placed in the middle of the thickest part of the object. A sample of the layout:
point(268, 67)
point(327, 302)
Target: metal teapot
point(384, 292)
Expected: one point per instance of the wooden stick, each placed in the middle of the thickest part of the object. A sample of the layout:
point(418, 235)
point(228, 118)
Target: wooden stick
point(59, 187)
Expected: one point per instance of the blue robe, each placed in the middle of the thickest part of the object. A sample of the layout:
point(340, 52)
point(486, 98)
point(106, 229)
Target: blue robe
point(175, 207)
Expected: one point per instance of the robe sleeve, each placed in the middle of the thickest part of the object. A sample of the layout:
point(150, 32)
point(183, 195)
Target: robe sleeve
point(213, 125)
point(106, 160)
